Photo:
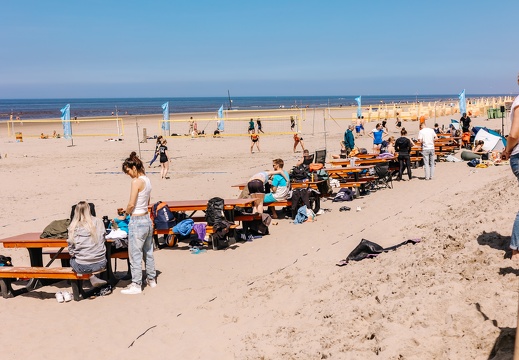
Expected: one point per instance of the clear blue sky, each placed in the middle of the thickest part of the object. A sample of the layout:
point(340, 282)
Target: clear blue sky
point(135, 48)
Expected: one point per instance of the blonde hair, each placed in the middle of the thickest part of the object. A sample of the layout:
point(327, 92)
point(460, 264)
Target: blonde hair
point(82, 218)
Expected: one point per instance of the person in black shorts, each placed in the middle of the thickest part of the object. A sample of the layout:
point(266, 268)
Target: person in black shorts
point(164, 160)
point(251, 126)
point(258, 124)
point(254, 141)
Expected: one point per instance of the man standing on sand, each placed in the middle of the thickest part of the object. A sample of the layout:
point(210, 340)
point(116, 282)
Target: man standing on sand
point(465, 123)
point(426, 137)
point(349, 139)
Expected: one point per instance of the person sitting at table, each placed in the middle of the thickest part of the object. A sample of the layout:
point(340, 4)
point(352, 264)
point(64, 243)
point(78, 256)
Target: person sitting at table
point(256, 187)
point(403, 147)
point(307, 159)
point(280, 186)
point(388, 147)
point(344, 152)
point(86, 243)
point(437, 129)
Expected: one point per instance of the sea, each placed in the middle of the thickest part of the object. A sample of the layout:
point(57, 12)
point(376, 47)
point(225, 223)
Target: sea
point(82, 107)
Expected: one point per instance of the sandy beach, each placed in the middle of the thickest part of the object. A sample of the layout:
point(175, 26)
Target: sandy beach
point(451, 296)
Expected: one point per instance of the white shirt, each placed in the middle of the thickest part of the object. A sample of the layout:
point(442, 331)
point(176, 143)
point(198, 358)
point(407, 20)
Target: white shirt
point(143, 198)
point(426, 137)
point(515, 104)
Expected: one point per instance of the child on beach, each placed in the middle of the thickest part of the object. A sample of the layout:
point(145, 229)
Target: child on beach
point(86, 243)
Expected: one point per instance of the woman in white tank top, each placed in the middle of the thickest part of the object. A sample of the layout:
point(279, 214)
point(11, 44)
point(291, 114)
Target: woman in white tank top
point(140, 229)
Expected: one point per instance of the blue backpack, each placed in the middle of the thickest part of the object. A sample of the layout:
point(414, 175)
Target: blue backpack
point(163, 218)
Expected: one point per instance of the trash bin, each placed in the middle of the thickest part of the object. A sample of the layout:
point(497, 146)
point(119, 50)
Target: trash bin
point(498, 113)
point(490, 113)
point(19, 137)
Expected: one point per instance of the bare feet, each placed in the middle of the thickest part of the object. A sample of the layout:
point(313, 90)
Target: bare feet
point(515, 254)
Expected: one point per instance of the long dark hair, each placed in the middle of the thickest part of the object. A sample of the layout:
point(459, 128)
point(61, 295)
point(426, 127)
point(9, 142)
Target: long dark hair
point(133, 161)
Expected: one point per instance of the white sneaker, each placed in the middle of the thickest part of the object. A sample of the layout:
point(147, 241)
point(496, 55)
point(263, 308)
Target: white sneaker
point(132, 289)
point(67, 296)
point(59, 297)
point(151, 283)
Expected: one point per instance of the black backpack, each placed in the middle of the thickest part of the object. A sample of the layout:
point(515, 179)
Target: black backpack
point(163, 218)
point(214, 212)
point(299, 173)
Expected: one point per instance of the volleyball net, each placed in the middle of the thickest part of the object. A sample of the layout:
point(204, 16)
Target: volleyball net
point(235, 123)
point(106, 127)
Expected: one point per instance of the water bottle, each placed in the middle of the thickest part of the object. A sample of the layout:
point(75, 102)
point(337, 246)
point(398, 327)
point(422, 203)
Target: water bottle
point(106, 221)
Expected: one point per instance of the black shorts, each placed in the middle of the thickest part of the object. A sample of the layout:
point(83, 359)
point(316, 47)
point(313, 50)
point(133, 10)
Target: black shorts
point(163, 159)
point(256, 187)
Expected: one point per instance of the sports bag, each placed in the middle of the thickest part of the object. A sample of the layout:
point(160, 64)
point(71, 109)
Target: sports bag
point(299, 173)
point(214, 212)
point(163, 218)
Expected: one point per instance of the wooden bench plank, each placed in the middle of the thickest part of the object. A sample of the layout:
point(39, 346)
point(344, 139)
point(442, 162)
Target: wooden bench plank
point(64, 273)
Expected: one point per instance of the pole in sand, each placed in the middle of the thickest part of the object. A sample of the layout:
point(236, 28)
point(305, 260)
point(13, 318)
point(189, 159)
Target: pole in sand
point(138, 139)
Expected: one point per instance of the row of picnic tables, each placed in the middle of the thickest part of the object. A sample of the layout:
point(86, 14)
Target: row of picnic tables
point(36, 246)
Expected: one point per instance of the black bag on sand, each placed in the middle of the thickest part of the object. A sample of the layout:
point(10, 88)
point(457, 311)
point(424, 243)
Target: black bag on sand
point(258, 227)
point(368, 249)
point(220, 235)
point(214, 212)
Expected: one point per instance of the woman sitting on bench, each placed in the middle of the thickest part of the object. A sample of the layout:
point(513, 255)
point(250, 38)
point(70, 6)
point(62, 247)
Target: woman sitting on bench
point(86, 243)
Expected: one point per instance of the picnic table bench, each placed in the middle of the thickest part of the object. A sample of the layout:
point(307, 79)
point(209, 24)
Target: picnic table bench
point(44, 275)
point(193, 206)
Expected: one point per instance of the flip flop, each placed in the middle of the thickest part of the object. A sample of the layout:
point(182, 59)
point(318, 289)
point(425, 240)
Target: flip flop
point(345, 208)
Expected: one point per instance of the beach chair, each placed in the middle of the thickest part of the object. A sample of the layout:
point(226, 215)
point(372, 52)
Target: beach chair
point(307, 160)
point(320, 156)
point(385, 177)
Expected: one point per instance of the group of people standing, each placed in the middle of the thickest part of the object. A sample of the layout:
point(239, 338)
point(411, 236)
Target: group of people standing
point(86, 233)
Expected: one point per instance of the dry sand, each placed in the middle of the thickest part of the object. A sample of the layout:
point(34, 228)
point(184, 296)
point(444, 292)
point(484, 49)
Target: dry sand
point(452, 296)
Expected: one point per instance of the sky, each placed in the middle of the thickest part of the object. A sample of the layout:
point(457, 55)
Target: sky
point(180, 48)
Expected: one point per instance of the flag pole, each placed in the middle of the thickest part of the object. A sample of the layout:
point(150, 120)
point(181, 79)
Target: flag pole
point(138, 138)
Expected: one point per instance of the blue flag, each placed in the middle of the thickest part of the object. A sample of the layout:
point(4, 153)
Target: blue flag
point(463, 103)
point(221, 125)
point(65, 119)
point(359, 106)
point(165, 116)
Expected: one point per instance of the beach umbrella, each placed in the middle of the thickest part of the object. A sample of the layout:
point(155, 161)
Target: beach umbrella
point(65, 119)
point(165, 116)
point(359, 104)
point(221, 125)
point(463, 103)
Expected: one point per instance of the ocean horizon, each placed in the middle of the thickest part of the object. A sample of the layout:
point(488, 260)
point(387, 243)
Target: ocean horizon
point(94, 107)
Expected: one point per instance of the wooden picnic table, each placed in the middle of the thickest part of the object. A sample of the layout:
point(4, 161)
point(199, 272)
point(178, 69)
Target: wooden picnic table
point(343, 173)
point(201, 205)
point(35, 246)
point(360, 162)
point(293, 184)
